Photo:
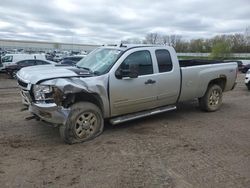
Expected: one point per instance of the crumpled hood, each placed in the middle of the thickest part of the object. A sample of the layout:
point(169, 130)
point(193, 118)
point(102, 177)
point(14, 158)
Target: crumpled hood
point(35, 74)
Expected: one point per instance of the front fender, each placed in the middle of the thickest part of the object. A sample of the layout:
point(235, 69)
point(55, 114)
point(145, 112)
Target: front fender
point(97, 86)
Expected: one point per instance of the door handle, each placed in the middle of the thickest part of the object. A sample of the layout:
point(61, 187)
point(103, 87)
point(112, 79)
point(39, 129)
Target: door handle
point(150, 81)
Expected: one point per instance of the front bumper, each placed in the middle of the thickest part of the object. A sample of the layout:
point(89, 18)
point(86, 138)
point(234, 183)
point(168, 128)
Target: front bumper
point(50, 112)
point(26, 98)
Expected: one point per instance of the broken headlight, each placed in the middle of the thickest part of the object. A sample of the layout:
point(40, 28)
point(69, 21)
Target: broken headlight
point(41, 92)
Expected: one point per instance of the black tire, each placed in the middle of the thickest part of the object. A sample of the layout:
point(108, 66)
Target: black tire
point(212, 100)
point(244, 71)
point(85, 122)
point(13, 74)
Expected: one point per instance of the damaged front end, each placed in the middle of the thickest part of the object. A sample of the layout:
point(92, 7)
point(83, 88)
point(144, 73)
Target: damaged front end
point(50, 100)
point(45, 103)
point(50, 113)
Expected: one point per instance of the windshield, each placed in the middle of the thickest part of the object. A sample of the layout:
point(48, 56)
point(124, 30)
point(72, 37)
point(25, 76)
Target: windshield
point(7, 58)
point(100, 60)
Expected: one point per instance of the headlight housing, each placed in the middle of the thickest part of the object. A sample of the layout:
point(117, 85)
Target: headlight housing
point(41, 92)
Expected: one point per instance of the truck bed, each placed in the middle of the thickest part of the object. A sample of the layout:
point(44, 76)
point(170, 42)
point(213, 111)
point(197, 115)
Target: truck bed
point(196, 75)
point(196, 62)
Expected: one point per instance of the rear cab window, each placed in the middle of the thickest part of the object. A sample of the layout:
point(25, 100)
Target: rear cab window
point(164, 60)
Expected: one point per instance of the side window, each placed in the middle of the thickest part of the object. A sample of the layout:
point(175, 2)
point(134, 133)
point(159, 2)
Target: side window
point(26, 63)
point(30, 62)
point(77, 59)
point(20, 62)
point(142, 59)
point(164, 60)
point(38, 62)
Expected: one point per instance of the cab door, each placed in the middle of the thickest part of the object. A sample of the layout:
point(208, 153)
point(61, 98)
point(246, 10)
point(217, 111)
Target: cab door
point(168, 77)
point(135, 94)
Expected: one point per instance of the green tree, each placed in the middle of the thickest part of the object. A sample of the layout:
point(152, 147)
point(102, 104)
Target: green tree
point(57, 46)
point(221, 50)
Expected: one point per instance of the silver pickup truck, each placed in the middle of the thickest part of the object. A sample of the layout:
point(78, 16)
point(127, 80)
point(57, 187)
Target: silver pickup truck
point(120, 84)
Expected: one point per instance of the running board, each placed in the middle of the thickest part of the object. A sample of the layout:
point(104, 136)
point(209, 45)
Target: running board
point(137, 115)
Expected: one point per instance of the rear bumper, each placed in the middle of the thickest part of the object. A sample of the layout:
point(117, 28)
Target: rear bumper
point(50, 112)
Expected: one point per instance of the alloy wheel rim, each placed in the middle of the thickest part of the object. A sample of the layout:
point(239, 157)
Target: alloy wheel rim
point(214, 98)
point(85, 125)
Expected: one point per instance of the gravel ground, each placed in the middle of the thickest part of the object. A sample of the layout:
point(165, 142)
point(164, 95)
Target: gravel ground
point(183, 148)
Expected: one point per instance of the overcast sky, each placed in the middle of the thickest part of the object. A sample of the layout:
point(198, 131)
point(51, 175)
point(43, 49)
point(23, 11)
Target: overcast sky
point(109, 21)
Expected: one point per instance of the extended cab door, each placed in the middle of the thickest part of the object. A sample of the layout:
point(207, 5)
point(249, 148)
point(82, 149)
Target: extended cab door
point(168, 76)
point(128, 94)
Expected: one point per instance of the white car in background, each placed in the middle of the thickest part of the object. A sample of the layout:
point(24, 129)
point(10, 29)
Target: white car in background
point(58, 57)
point(247, 79)
point(10, 59)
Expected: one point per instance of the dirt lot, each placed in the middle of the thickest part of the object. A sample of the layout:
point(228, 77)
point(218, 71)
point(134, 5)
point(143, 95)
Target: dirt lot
point(183, 148)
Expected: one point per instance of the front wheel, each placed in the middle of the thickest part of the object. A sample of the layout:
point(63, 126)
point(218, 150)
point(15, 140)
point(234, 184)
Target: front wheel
point(13, 74)
point(85, 122)
point(212, 100)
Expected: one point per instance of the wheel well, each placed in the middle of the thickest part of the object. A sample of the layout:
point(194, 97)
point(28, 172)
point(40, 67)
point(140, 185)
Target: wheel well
point(87, 97)
point(219, 81)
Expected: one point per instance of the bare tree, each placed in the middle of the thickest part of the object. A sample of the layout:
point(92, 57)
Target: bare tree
point(152, 38)
point(165, 40)
point(236, 43)
point(175, 39)
point(197, 45)
point(247, 35)
point(132, 41)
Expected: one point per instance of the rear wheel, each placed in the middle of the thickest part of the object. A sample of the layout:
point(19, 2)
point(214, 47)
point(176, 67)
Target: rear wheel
point(85, 122)
point(212, 99)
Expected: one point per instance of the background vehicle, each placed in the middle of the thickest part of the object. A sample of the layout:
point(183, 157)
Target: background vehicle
point(58, 57)
point(245, 68)
point(10, 59)
point(12, 69)
point(121, 84)
point(1, 65)
point(71, 60)
point(247, 79)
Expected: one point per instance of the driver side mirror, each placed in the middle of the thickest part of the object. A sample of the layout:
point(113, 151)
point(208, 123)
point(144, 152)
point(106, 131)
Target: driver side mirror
point(132, 72)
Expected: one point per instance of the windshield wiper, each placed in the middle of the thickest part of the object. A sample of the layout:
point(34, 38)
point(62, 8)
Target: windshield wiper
point(86, 68)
